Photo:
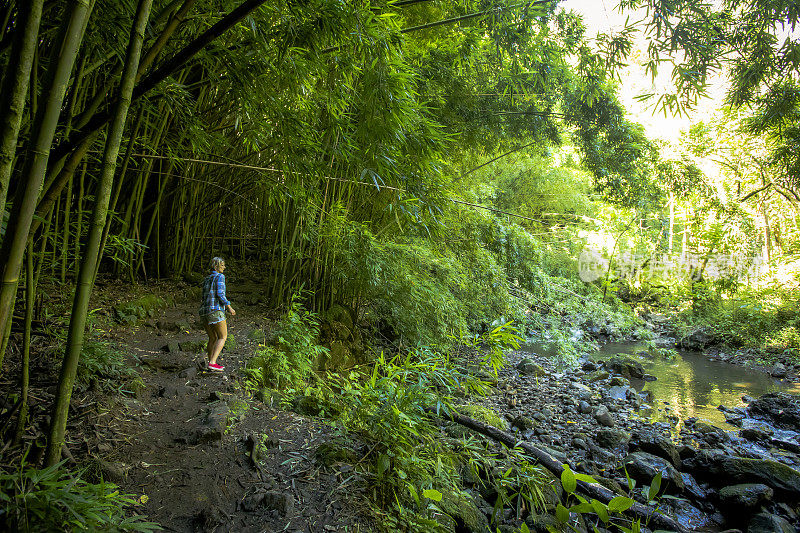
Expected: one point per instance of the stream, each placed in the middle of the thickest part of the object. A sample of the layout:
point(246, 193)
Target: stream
point(693, 385)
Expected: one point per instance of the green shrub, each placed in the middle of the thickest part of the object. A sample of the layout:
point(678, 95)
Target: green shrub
point(52, 499)
point(409, 466)
point(104, 367)
point(290, 354)
point(787, 338)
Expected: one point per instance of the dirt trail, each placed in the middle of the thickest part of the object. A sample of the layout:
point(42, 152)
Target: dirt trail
point(186, 443)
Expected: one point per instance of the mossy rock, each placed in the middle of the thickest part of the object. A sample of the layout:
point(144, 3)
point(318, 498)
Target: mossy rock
point(339, 357)
point(338, 331)
point(486, 415)
point(342, 314)
point(145, 306)
point(462, 508)
point(269, 396)
point(529, 367)
point(330, 453)
point(191, 346)
point(543, 523)
point(306, 405)
point(457, 431)
point(597, 375)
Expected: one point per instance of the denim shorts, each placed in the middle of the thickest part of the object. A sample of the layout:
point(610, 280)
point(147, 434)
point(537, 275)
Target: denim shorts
point(214, 317)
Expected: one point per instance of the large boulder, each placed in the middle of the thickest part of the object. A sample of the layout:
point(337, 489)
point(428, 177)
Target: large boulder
point(699, 339)
point(780, 408)
point(745, 497)
point(656, 444)
point(728, 468)
point(643, 467)
point(626, 367)
point(769, 523)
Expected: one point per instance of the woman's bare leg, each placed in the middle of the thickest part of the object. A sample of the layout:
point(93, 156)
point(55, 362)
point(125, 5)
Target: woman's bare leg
point(212, 338)
point(221, 333)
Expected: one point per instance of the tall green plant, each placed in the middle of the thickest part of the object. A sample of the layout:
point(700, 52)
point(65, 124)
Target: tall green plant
point(292, 352)
point(51, 499)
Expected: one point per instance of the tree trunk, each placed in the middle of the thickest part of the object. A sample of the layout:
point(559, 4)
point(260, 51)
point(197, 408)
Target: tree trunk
point(549, 462)
point(14, 89)
point(80, 304)
point(16, 238)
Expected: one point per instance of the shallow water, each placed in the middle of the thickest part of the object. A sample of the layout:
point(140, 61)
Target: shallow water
point(694, 385)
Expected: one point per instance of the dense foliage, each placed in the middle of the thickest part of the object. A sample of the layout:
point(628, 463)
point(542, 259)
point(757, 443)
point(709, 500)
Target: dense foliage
point(434, 167)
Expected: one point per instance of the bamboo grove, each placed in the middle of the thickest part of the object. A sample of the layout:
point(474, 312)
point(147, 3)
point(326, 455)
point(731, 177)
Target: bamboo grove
point(138, 137)
point(315, 138)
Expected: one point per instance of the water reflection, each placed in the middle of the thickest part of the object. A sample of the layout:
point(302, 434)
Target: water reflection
point(694, 385)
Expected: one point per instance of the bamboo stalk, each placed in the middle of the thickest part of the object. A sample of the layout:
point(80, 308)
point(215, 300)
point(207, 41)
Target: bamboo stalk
point(30, 297)
point(83, 289)
point(15, 87)
point(165, 70)
point(15, 241)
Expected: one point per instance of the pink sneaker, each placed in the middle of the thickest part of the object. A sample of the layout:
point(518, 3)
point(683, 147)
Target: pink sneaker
point(215, 367)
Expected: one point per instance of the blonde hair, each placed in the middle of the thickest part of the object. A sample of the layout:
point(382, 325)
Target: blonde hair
point(215, 262)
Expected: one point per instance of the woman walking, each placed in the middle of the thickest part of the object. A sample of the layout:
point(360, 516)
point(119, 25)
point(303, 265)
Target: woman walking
point(212, 312)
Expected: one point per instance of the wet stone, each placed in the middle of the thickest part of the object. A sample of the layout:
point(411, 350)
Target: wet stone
point(692, 488)
point(524, 423)
point(580, 443)
point(603, 417)
point(643, 467)
point(656, 444)
point(529, 367)
point(619, 392)
point(745, 496)
point(769, 523)
point(611, 438)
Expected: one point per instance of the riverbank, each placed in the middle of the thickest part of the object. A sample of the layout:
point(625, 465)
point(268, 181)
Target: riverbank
point(595, 420)
point(198, 451)
point(778, 357)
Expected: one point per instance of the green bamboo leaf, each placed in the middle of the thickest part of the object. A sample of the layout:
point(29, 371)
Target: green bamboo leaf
point(655, 486)
point(432, 494)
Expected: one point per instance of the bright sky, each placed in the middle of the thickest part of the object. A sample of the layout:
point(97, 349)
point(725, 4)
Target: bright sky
point(602, 16)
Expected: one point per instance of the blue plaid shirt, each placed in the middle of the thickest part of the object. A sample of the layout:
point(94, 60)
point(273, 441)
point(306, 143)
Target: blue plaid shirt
point(214, 293)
